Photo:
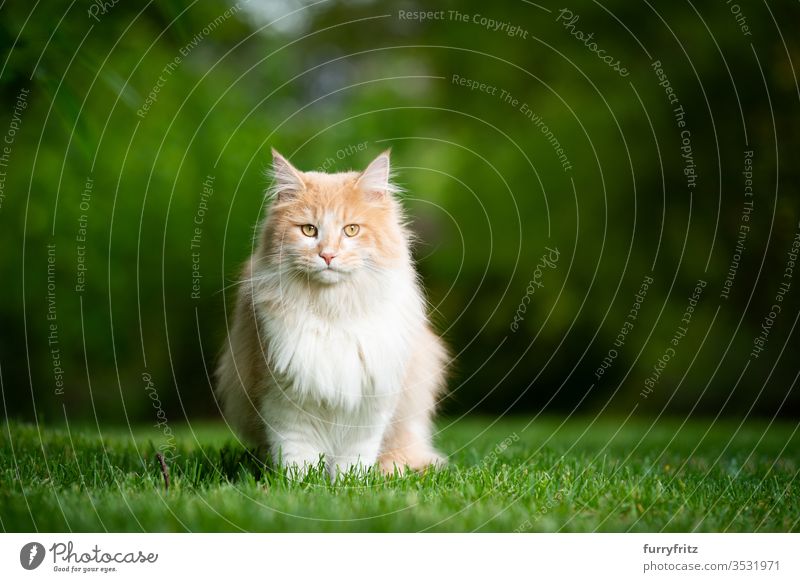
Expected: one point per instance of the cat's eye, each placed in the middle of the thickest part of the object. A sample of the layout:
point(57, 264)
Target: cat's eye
point(351, 229)
point(309, 230)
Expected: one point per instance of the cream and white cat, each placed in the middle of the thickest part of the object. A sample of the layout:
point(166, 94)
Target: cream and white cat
point(330, 352)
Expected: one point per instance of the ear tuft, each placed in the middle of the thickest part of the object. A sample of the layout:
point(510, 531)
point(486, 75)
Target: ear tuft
point(287, 181)
point(376, 179)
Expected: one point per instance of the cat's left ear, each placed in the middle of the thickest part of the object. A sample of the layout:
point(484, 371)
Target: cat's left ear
point(287, 180)
point(375, 179)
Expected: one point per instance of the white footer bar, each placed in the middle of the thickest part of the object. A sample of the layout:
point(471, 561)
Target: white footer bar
point(388, 557)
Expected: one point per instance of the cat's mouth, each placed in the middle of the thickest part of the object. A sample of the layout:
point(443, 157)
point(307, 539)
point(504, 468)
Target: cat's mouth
point(329, 274)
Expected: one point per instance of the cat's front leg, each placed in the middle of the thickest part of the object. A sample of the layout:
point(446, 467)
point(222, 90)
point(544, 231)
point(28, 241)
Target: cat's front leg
point(297, 455)
point(360, 441)
point(360, 455)
point(292, 434)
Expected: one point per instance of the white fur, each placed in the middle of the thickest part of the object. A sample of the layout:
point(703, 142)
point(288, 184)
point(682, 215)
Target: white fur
point(336, 380)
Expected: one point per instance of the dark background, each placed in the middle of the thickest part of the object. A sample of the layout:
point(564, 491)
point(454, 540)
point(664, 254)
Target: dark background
point(484, 187)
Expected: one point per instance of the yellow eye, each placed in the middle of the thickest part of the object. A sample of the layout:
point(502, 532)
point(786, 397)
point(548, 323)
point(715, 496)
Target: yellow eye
point(309, 230)
point(351, 229)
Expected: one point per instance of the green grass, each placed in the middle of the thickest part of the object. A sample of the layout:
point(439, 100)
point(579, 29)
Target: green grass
point(576, 476)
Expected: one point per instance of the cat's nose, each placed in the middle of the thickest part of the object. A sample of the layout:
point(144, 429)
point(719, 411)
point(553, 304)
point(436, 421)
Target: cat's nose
point(327, 256)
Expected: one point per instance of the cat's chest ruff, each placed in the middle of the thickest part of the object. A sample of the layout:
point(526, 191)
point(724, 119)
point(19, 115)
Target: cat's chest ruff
point(339, 363)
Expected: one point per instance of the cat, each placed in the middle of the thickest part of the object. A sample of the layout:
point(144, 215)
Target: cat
point(330, 354)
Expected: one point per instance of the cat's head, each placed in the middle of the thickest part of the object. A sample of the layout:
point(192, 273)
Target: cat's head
point(330, 228)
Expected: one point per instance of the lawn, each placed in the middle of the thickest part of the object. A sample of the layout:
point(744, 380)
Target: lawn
point(578, 475)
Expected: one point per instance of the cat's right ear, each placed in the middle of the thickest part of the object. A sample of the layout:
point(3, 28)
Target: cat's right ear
point(287, 181)
point(376, 179)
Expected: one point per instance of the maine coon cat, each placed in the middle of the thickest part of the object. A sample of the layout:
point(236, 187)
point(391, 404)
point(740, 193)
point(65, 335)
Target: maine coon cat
point(330, 352)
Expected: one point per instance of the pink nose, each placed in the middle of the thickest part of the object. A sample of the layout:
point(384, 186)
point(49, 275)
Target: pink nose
point(328, 257)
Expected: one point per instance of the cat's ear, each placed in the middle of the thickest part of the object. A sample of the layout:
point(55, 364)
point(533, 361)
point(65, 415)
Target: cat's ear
point(287, 180)
point(375, 180)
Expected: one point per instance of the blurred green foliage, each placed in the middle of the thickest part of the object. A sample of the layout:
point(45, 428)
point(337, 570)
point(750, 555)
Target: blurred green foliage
point(484, 186)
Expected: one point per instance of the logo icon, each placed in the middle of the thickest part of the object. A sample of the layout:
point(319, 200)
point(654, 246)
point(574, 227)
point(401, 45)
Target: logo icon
point(31, 555)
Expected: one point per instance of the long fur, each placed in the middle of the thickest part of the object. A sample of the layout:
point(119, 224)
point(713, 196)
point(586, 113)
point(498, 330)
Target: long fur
point(333, 361)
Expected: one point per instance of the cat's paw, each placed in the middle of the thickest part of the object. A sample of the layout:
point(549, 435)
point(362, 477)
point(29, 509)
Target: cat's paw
point(297, 468)
point(391, 463)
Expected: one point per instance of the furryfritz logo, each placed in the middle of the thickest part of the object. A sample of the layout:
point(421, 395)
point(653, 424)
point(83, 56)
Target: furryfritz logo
point(31, 555)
